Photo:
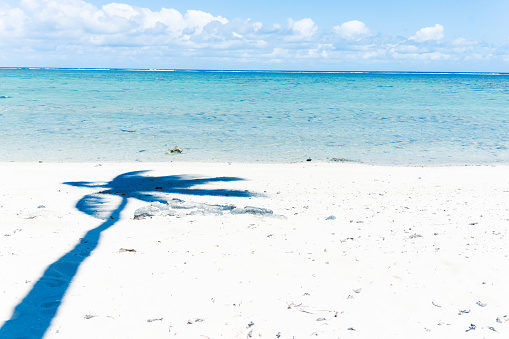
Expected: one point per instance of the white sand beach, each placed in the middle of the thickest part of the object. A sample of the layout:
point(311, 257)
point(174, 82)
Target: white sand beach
point(349, 251)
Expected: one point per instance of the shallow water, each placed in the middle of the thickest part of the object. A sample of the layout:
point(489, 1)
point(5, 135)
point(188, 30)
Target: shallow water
point(135, 115)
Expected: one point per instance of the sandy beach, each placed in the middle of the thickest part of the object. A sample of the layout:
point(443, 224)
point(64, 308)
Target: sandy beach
point(219, 250)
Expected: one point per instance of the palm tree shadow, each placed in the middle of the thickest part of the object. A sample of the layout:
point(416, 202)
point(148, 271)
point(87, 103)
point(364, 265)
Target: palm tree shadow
point(32, 317)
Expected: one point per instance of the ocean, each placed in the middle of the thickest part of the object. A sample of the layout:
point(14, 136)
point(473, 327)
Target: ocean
point(73, 115)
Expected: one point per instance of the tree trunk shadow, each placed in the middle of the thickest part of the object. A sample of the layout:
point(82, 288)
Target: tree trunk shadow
point(32, 317)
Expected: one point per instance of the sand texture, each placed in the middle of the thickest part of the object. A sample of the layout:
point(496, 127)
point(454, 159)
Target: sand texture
point(305, 250)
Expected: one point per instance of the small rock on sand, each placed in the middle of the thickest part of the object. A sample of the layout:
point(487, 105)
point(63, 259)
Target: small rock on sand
point(176, 149)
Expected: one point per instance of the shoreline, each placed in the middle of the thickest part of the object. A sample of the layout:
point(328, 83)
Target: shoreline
point(261, 162)
point(350, 250)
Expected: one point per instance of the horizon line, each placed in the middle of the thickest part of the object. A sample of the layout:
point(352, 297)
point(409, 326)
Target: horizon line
point(242, 70)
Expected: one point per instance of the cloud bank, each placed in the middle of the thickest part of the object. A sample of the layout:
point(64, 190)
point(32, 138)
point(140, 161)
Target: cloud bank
point(79, 34)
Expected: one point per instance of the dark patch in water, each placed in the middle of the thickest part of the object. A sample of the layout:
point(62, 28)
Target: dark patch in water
point(4, 97)
point(127, 131)
point(341, 160)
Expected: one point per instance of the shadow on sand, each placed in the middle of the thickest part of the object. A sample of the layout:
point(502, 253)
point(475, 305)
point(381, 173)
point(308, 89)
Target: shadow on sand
point(32, 317)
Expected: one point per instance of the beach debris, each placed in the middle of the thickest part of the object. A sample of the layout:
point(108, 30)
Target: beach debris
point(252, 210)
point(351, 329)
point(132, 250)
point(176, 149)
point(278, 335)
point(291, 305)
point(435, 304)
point(41, 206)
point(502, 320)
point(155, 208)
point(15, 231)
point(174, 206)
point(179, 204)
point(463, 312)
point(89, 316)
point(479, 303)
point(197, 320)
point(340, 160)
point(308, 159)
point(155, 319)
point(359, 290)
point(146, 211)
point(321, 319)
point(415, 235)
point(198, 208)
point(492, 329)
point(250, 324)
point(331, 217)
point(471, 328)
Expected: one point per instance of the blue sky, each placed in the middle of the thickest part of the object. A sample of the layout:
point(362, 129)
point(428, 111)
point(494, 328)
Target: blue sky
point(432, 35)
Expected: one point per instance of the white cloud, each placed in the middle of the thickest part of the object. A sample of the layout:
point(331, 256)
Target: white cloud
point(196, 20)
point(303, 29)
point(321, 51)
point(11, 22)
point(257, 26)
point(112, 21)
point(352, 30)
point(429, 33)
point(120, 10)
point(431, 56)
point(45, 32)
point(169, 21)
point(465, 43)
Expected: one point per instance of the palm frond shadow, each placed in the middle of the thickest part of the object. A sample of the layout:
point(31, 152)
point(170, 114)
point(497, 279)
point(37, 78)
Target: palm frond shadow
point(148, 189)
point(32, 317)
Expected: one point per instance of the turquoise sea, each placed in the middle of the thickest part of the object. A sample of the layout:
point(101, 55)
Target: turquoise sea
point(369, 117)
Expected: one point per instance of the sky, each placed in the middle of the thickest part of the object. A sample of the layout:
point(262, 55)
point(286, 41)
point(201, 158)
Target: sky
point(319, 35)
